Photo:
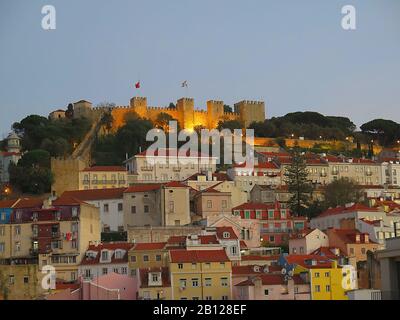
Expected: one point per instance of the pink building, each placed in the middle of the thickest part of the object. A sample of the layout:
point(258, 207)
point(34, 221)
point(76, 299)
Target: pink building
point(308, 241)
point(111, 286)
point(211, 202)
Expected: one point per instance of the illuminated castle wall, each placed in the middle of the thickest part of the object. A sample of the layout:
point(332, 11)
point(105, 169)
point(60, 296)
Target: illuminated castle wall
point(188, 117)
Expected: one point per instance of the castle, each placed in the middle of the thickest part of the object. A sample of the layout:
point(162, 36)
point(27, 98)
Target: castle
point(185, 113)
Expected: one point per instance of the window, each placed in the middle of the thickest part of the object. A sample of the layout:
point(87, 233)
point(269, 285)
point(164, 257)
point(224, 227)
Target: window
point(158, 257)
point(234, 250)
point(133, 272)
point(328, 288)
point(266, 292)
point(207, 282)
point(352, 251)
point(224, 297)
point(118, 254)
point(327, 274)
point(180, 265)
point(105, 271)
point(301, 249)
point(247, 214)
point(104, 255)
point(87, 273)
point(146, 209)
point(17, 246)
point(224, 204)
point(182, 283)
point(317, 288)
point(74, 212)
point(26, 279)
point(116, 270)
point(2, 246)
point(363, 250)
point(2, 231)
point(145, 258)
point(316, 275)
point(270, 214)
point(294, 250)
point(195, 282)
point(120, 207)
point(208, 298)
point(124, 270)
point(106, 207)
point(171, 206)
point(133, 209)
point(283, 213)
point(195, 298)
point(209, 204)
point(258, 214)
point(17, 230)
point(11, 279)
point(224, 282)
point(154, 277)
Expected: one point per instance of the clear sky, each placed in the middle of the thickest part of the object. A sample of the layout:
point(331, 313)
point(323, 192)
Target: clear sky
point(292, 54)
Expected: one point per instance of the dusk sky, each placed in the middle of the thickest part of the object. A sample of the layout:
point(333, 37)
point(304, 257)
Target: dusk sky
point(294, 55)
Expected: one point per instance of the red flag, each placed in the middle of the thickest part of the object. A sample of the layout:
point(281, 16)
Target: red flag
point(137, 85)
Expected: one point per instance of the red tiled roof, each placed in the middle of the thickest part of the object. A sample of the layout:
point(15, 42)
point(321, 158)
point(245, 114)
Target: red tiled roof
point(176, 240)
point(262, 165)
point(67, 201)
point(340, 210)
point(182, 256)
point(320, 261)
point(253, 206)
point(175, 184)
point(266, 280)
point(150, 246)
point(9, 154)
point(349, 235)
point(105, 168)
point(107, 246)
point(243, 244)
point(24, 203)
point(249, 270)
point(95, 194)
point(327, 252)
point(208, 239)
point(144, 277)
point(222, 230)
point(7, 203)
point(255, 257)
point(174, 152)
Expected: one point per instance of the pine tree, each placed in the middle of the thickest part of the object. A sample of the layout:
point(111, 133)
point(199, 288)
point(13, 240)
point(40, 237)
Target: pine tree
point(296, 177)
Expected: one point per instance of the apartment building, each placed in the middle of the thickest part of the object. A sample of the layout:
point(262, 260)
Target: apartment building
point(200, 275)
point(147, 255)
point(109, 202)
point(157, 205)
point(105, 258)
point(167, 165)
point(276, 223)
point(154, 284)
point(390, 171)
point(103, 177)
point(308, 241)
point(210, 201)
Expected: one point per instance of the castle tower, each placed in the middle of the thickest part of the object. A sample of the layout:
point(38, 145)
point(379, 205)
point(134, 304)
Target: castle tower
point(185, 108)
point(215, 111)
point(13, 143)
point(250, 111)
point(139, 105)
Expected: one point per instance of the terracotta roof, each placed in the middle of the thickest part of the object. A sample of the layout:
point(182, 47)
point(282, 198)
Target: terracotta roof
point(150, 246)
point(252, 206)
point(255, 257)
point(67, 201)
point(341, 210)
point(307, 260)
point(328, 252)
point(222, 230)
point(175, 184)
point(7, 203)
point(173, 152)
point(262, 165)
point(25, 203)
point(176, 240)
point(266, 280)
point(95, 194)
point(183, 256)
point(108, 246)
point(9, 154)
point(250, 270)
point(105, 168)
point(243, 244)
point(144, 277)
point(349, 235)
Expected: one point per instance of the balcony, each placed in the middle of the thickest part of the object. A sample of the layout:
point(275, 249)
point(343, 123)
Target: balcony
point(147, 168)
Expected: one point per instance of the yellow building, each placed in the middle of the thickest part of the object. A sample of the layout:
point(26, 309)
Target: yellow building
point(200, 275)
point(103, 177)
point(147, 255)
point(331, 283)
point(154, 284)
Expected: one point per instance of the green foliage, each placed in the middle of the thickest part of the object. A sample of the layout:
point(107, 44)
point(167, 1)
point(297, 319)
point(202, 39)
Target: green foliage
point(387, 132)
point(55, 136)
point(107, 121)
point(32, 174)
point(311, 125)
point(114, 236)
point(113, 148)
point(296, 177)
point(341, 192)
point(227, 108)
point(229, 124)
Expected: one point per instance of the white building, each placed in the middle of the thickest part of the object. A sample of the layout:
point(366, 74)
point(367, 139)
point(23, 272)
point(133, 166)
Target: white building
point(308, 242)
point(104, 258)
point(11, 155)
point(391, 172)
point(109, 202)
point(167, 165)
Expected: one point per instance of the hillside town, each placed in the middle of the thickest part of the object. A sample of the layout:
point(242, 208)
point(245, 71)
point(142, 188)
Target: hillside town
point(141, 230)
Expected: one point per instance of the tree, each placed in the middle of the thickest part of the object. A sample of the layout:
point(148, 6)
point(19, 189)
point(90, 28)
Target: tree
point(162, 121)
point(32, 173)
point(340, 192)
point(107, 121)
point(385, 131)
point(227, 108)
point(296, 177)
point(229, 124)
